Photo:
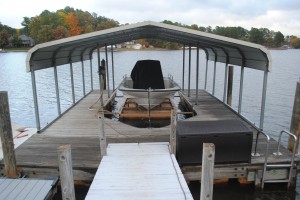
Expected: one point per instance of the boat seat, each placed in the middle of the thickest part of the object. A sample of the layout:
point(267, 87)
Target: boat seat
point(147, 73)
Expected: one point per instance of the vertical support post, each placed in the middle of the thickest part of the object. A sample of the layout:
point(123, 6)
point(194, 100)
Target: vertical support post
point(57, 90)
point(197, 75)
point(263, 101)
point(207, 172)
point(99, 65)
point(183, 66)
point(241, 90)
point(230, 84)
point(35, 101)
point(190, 63)
point(72, 81)
point(66, 172)
point(173, 131)
point(107, 72)
point(83, 79)
point(295, 121)
point(225, 82)
point(102, 135)
point(214, 78)
point(112, 66)
point(91, 70)
point(206, 71)
point(7, 137)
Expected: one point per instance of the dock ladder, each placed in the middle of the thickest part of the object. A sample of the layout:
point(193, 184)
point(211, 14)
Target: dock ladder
point(267, 166)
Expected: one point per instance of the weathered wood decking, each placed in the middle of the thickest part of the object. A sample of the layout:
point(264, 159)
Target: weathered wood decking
point(79, 128)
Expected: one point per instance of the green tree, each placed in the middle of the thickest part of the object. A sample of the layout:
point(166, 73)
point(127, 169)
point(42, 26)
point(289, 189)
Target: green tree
point(16, 42)
point(26, 22)
point(3, 38)
point(278, 39)
point(256, 36)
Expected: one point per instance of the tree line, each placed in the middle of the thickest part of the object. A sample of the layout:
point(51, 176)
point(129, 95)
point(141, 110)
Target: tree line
point(49, 26)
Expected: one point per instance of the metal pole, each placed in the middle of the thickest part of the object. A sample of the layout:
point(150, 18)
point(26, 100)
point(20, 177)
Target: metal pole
point(206, 71)
point(98, 56)
point(107, 72)
point(225, 83)
point(241, 90)
point(214, 80)
point(197, 75)
point(263, 101)
point(83, 79)
point(72, 82)
point(183, 67)
point(35, 101)
point(91, 70)
point(190, 63)
point(57, 90)
point(112, 66)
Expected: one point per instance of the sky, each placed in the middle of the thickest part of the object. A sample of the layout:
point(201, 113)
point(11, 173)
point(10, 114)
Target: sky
point(277, 15)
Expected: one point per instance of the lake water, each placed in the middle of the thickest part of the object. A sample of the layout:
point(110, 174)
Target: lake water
point(280, 93)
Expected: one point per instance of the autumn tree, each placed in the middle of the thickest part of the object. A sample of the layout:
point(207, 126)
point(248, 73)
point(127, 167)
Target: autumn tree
point(73, 24)
point(3, 38)
point(294, 41)
point(60, 32)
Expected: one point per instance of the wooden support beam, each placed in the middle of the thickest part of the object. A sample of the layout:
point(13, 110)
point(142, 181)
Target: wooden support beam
point(207, 177)
point(102, 136)
point(7, 137)
point(66, 172)
point(173, 131)
point(295, 122)
point(229, 87)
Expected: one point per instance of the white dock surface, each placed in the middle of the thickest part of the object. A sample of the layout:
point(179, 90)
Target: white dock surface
point(139, 171)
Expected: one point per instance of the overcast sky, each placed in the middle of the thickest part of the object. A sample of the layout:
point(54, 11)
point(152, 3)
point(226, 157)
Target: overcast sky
point(277, 15)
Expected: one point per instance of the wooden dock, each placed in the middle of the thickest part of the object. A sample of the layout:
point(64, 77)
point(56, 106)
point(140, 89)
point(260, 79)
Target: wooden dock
point(79, 127)
point(139, 171)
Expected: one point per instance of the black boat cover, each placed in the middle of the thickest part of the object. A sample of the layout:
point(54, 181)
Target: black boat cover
point(147, 73)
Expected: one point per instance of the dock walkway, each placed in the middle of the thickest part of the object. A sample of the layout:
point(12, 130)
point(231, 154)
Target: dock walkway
point(139, 171)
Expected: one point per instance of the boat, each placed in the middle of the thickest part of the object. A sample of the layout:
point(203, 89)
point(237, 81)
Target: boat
point(146, 85)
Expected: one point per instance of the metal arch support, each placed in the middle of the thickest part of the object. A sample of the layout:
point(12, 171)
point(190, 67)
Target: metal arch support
point(82, 69)
point(72, 74)
point(183, 66)
point(215, 69)
point(112, 67)
point(57, 91)
point(190, 63)
point(226, 76)
point(197, 75)
point(206, 69)
point(241, 81)
point(35, 101)
point(263, 101)
point(107, 71)
point(98, 57)
point(91, 71)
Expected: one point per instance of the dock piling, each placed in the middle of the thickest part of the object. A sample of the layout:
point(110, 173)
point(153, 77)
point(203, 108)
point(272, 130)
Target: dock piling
point(173, 131)
point(207, 172)
point(102, 136)
point(7, 137)
point(66, 172)
point(295, 121)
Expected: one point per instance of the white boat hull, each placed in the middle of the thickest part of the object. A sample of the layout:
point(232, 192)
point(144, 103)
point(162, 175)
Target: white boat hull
point(151, 97)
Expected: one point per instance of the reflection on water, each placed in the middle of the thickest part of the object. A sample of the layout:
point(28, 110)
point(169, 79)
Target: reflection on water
point(280, 93)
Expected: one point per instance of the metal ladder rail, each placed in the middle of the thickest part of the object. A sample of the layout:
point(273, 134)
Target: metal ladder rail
point(290, 166)
point(266, 153)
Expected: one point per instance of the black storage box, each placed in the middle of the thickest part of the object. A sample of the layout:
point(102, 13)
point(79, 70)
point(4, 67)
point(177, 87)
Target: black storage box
point(232, 140)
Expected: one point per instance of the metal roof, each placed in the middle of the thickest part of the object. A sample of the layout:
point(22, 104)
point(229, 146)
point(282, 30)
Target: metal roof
point(219, 48)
